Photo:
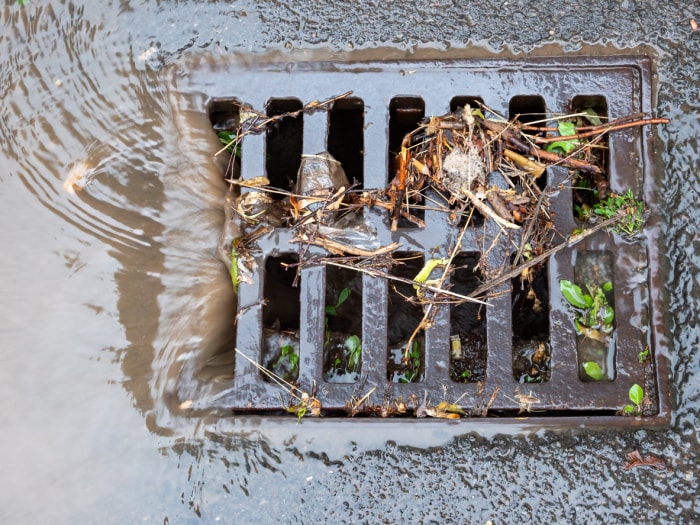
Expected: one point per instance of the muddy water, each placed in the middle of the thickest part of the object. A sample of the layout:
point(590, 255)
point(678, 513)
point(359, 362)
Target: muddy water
point(112, 289)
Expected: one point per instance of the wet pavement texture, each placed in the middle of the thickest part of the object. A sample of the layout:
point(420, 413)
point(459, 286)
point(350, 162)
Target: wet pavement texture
point(112, 290)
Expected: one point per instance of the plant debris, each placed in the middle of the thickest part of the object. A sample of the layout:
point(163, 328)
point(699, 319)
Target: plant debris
point(635, 459)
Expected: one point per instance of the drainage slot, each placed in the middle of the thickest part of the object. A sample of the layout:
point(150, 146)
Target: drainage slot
point(346, 122)
point(405, 314)
point(284, 144)
point(468, 346)
point(590, 189)
point(595, 324)
point(342, 347)
point(459, 102)
point(530, 321)
point(530, 111)
point(405, 114)
point(224, 116)
point(281, 313)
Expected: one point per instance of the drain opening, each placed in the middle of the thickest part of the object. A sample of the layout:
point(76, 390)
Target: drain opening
point(458, 103)
point(590, 189)
point(405, 362)
point(281, 318)
point(284, 144)
point(595, 323)
point(530, 322)
point(530, 110)
point(342, 345)
point(346, 136)
point(468, 344)
point(225, 116)
point(405, 114)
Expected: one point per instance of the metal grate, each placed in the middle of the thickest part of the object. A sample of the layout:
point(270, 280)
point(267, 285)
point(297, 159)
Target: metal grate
point(388, 99)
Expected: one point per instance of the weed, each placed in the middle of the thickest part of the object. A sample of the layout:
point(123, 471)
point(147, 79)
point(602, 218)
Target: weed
point(288, 352)
point(353, 344)
point(636, 395)
point(412, 364)
point(644, 355)
point(228, 139)
point(625, 204)
point(594, 315)
point(594, 371)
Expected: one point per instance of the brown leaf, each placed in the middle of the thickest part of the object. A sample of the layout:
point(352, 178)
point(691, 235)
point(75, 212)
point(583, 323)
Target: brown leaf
point(636, 460)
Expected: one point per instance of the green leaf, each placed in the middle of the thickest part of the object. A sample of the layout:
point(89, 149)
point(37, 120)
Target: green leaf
point(343, 296)
point(352, 343)
point(592, 116)
point(594, 371)
point(574, 294)
point(566, 129)
point(234, 268)
point(629, 409)
point(428, 269)
point(636, 394)
point(562, 146)
point(476, 112)
point(608, 314)
point(607, 287)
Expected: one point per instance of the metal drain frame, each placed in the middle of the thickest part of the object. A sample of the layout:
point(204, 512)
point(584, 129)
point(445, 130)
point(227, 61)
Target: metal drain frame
point(624, 82)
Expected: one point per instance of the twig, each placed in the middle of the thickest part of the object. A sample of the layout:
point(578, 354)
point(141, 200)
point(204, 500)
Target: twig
point(488, 211)
point(375, 273)
point(256, 127)
point(573, 240)
point(277, 379)
point(604, 128)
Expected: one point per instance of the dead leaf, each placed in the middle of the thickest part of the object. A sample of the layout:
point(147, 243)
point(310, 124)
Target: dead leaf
point(635, 459)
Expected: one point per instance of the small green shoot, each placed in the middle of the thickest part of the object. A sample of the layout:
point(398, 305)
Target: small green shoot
point(594, 371)
point(413, 364)
point(354, 347)
point(288, 352)
point(631, 209)
point(234, 266)
point(353, 344)
point(22, 2)
point(465, 374)
point(228, 139)
point(593, 312)
point(342, 297)
point(644, 355)
point(636, 395)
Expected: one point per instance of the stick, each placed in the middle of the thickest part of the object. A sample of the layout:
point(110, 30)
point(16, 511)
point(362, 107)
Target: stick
point(573, 240)
point(604, 128)
point(424, 286)
point(488, 211)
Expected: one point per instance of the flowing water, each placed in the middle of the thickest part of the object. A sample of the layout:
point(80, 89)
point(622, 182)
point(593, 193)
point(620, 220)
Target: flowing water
point(112, 292)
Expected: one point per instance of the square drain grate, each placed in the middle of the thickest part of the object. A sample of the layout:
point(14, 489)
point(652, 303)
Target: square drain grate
point(363, 131)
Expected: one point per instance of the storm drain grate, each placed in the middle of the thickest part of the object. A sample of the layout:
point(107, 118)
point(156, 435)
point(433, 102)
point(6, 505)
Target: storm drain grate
point(468, 352)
